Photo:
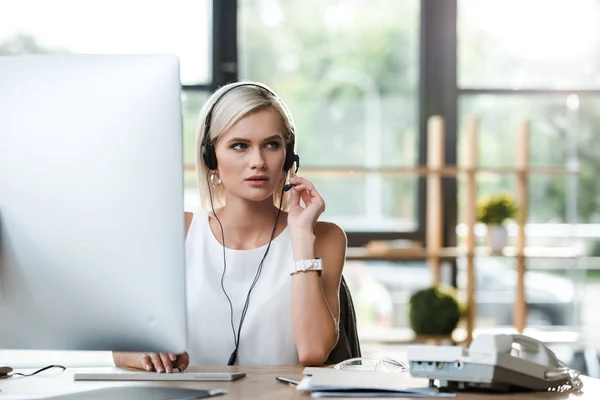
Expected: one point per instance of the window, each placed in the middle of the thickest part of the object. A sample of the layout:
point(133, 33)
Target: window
point(181, 27)
point(349, 72)
point(537, 61)
point(511, 69)
point(192, 102)
point(529, 44)
point(560, 125)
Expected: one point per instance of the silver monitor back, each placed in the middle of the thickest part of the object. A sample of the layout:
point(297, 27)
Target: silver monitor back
point(91, 203)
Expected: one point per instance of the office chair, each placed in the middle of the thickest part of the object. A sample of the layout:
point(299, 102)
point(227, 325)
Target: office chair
point(348, 345)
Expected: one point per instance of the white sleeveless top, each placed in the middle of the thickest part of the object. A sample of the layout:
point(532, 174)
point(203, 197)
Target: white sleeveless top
point(266, 335)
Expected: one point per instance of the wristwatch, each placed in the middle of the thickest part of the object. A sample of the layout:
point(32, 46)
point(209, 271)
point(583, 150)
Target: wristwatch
point(315, 264)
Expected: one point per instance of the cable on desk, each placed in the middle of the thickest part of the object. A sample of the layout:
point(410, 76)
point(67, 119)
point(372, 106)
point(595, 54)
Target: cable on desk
point(33, 373)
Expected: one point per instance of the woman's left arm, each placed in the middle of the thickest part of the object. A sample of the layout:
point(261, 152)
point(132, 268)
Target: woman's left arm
point(315, 299)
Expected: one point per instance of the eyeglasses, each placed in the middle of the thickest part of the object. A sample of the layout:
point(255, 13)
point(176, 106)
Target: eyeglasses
point(372, 364)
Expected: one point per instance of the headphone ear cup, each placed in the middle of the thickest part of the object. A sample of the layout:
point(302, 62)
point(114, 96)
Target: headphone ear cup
point(289, 157)
point(209, 157)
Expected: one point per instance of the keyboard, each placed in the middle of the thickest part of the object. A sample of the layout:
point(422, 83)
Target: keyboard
point(156, 376)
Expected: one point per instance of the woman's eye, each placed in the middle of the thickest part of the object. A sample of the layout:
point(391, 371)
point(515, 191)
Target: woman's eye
point(273, 145)
point(239, 146)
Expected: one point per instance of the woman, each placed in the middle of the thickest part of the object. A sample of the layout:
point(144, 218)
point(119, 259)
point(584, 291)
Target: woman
point(262, 283)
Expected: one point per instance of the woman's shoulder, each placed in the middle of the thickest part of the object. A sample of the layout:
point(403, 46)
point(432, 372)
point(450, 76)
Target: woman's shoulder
point(189, 217)
point(326, 229)
point(330, 235)
point(331, 245)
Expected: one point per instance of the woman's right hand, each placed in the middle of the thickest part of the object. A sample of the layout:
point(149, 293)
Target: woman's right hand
point(165, 362)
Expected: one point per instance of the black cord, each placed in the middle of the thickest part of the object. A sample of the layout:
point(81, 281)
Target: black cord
point(260, 266)
point(236, 338)
point(212, 206)
point(33, 373)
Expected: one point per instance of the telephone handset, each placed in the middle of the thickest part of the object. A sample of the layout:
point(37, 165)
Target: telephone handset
point(529, 349)
point(501, 362)
point(536, 351)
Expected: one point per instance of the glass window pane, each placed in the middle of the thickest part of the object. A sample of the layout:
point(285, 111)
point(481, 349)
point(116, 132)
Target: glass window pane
point(191, 103)
point(559, 125)
point(551, 293)
point(499, 118)
point(182, 27)
point(563, 130)
point(548, 200)
point(524, 44)
point(381, 292)
point(348, 70)
point(350, 76)
point(368, 202)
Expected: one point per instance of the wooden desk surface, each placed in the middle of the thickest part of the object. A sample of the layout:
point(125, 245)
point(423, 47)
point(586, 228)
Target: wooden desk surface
point(259, 383)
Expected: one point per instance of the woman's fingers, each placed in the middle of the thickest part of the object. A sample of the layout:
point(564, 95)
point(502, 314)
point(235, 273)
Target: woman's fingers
point(182, 362)
point(309, 194)
point(166, 360)
point(157, 362)
point(306, 197)
point(295, 197)
point(147, 362)
point(296, 181)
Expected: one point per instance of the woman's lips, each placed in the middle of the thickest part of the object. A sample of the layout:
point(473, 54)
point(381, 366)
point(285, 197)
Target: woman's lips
point(257, 182)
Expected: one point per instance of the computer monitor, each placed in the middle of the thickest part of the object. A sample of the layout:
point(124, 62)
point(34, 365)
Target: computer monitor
point(91, 203)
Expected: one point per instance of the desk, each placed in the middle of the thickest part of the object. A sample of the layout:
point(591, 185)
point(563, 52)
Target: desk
point(259, 383)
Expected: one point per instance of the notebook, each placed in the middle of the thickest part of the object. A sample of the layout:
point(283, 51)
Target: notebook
point(329, 382)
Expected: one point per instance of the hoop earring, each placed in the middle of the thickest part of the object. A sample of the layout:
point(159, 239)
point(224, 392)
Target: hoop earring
point(215, 179)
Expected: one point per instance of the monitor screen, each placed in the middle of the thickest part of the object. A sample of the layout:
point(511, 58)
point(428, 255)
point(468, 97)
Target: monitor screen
point(91, 203)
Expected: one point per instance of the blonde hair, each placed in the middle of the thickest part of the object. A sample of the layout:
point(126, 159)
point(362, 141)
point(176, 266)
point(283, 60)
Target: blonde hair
point(241, 99)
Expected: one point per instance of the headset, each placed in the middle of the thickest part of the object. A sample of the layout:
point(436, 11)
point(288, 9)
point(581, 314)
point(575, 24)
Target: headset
point(209, 157)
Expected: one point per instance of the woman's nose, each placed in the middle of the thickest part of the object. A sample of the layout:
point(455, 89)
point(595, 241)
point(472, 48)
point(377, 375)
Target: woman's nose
point(257, 160)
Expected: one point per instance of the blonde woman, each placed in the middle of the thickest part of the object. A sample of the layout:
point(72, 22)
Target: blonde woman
point(263, 274)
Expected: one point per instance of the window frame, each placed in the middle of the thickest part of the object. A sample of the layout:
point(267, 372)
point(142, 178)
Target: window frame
point(437, 36)
point(439, 94)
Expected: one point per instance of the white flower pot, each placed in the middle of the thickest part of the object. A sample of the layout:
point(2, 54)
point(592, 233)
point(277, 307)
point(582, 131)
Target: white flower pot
point(497, 238)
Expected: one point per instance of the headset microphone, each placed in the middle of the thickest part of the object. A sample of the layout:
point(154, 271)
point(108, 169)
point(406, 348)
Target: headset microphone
point(287, 187)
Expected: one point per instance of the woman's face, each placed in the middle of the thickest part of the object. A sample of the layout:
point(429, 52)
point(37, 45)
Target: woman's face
point(250, 155)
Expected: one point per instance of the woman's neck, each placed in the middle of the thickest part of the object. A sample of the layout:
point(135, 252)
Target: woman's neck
point(248, 224)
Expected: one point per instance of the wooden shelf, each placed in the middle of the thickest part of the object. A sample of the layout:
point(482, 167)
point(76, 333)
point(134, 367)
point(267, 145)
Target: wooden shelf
point(451, 253)
point(434, 251)
point(533, 252)
point(424, 171)
point(405, 335)
point(364, 254)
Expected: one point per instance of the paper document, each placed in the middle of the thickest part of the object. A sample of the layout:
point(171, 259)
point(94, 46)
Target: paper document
point(329, 382)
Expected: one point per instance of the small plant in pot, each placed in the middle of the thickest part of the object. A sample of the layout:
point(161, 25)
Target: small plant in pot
point(493, 212)
point(434, 311)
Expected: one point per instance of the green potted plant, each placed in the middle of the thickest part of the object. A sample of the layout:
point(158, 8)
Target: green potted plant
point(434, 311)
point(493, 212)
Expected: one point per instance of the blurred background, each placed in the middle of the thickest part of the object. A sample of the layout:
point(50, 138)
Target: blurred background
point(362, 78)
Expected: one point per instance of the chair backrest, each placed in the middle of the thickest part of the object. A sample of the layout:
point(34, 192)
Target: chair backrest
point(348, 345)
